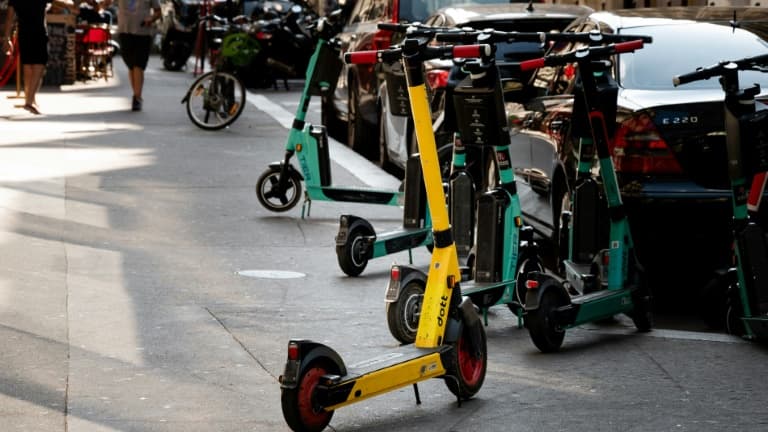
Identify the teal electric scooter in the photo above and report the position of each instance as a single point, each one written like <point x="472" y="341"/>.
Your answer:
<point x="279" y="187"/>
<point x="747" y="144"/>
<point x="605" y="280"/>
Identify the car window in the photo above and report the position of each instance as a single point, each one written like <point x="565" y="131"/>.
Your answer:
<point x="369" y="10"/>
<point x="681" y="49"/>
<point x="554" y="81"/>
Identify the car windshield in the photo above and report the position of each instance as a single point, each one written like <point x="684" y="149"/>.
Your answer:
<point x="681" y="49"/>
<point x="418" y="10"/>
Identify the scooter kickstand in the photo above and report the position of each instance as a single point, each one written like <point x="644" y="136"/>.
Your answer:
<point x="307" y="205"/>
<point x="416" y="392"/>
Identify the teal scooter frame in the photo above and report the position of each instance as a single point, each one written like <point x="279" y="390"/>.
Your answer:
<point x="611" y="281"/>
<point x="747" y="144"/>
<point x="279" y="188"/>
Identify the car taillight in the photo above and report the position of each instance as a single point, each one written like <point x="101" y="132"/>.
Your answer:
<point x="437" y="78"/>
<point x="639" y="149"/>
<point x="382" y="39"/>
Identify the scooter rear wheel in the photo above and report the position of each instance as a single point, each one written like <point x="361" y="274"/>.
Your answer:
<point x="351" y="255"/>
<point x="270" y="195"/>
<point x="465" y="368"/>
<point x="403" y="314"/>
<point x="301" y="409"/>
<point x="215" y="100"/>
<point x="545" y="333"/>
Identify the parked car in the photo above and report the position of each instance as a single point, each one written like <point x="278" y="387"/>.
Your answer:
<point x="664" y="137"/>
<point x="395" y="138"/>
<point x="351" y="113"/>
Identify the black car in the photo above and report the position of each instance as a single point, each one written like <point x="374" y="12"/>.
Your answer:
<point x="351" y="114"/>
<point x="664" y="138"/>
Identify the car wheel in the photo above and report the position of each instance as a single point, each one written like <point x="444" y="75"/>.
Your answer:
<point x="384" y="161"/>
<point x="359" y="137"/>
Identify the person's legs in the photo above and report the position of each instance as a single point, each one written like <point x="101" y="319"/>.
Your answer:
<point x="33" y="78"/>
<point x="137" y="81"/>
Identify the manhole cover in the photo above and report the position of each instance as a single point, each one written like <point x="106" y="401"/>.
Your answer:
<point x="271" y="274"/>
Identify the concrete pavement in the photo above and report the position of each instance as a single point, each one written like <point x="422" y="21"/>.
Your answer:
<point x="126" y="245"/>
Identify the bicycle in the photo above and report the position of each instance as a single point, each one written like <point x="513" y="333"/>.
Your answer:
<point x="217" y="98"/>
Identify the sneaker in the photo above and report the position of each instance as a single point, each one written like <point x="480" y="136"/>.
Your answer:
<point x="136" y="105"/>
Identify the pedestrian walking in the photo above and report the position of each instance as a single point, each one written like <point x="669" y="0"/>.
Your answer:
<point x="32" y="42"/>
<point x="134" y="28"/>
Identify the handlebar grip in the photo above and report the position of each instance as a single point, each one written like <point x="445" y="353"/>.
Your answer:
<point x="625" y="47"/>
<point x="532" y="64"/>
<point x="471" y="51"/>
<point x="457" y="37"/>
<point x="393" y="27"/>
<point x="361" y="57"/>
<point x="697" y="75"/>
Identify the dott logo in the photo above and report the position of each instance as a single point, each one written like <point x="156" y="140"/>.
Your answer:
<point x="441" y="314"/>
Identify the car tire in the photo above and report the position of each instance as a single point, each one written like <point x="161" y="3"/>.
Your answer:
<point x="359" y="134"/>
<point x="329" y="117"/>
<point x="384" y="161"/>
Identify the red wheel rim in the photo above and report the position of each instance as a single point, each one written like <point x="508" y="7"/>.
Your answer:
<point x="470" y="367"/>
<point x="311" y="414"/>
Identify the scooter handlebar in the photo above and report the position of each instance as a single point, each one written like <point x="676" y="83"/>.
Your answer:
<point x="393" y="54"/>
<point x="588" y="53"/>
<point x="495" y="36"/>
<point x="759" y="63"/>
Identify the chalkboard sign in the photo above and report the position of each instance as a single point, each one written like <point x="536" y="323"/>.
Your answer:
<point x="61" y="50"/>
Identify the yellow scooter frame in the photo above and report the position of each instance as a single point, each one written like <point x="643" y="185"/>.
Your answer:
<point x="450" y="341"/>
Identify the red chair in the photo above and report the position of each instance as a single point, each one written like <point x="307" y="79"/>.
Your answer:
<point x="95" y="52"/>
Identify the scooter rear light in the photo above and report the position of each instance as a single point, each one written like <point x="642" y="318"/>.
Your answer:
<point x="293" y="351"/>
<point x="531" y="284"/>
<point x="437" y="78"/>
<point x="394" y="273"/>
<point x="263" y="35"/>
<point x="638" y="148"/>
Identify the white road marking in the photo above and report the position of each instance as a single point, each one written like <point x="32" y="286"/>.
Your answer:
<point x="359" y="166"/>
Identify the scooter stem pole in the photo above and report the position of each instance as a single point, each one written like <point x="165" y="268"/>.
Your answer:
<point x="444" y="271"/>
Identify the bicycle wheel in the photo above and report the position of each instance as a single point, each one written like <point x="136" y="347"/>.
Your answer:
<point x="216" y="100"/>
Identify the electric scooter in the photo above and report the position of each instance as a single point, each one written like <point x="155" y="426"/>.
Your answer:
<point x="279" y="187"/>
<point x="507" y="251"/>
<point x="747" y="145"/>
<point x="450" y="341"/>
<point x="599" y="283"/>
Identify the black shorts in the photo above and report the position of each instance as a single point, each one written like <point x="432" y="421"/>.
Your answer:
<point x="135" y="50"/>
<point x="33" y="48"/>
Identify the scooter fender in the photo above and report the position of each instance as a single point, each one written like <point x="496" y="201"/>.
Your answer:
<point x="471" y="321"/>
<point x="291" y="169"/>
<point x="407" y="274"/>
<point x="346" y="222"/>
<point x="544" y="283"/>
<point x="308" y="351"/>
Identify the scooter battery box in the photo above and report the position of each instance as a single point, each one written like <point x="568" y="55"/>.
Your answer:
<point x="480" y="115"/>
<point x="589" y="221"/>
<point x="754" y="142"/>
<point x="397" y="90"/>
<point x="326" y="73"/>
<point x="319" y="134"/>
<point x="415" y="206"/>
<point x="491" y="208"/>
<point x="462" y="211"/>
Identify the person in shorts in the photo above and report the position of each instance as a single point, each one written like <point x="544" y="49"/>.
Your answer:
<point x="134" y="27"/>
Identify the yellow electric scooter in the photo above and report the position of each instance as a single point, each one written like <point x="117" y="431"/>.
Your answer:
<point x="450" y="341"/>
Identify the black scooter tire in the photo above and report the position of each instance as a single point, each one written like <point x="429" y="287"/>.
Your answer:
<point x="465" y="371"/>
<point x="350" y="259"/>
<point x="541" y="325"/>
<point x="403" y="314"/>
<point x="299" y="404"/>
<point x="276" y="200"/>
<point x="205" y="106"/>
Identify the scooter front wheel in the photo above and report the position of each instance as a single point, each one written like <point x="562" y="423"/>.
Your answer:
<point x="542" y="326"/>
<point x="301" y="409"/>
<point x="270" y="194"/>
<point x="352" y="255"/>
<point x="403" y="314"/>
<point x="215" y="100"/>
<point x="466" y="366"/>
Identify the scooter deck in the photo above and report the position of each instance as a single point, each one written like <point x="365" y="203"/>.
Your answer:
<point x="350" y="194"/>
<point x="598" y="305"/>
<point x="758" y="325"/>
<point x="473" y="287"/>
<point x="400" y="240"/>
<point x="401" y="367"/>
